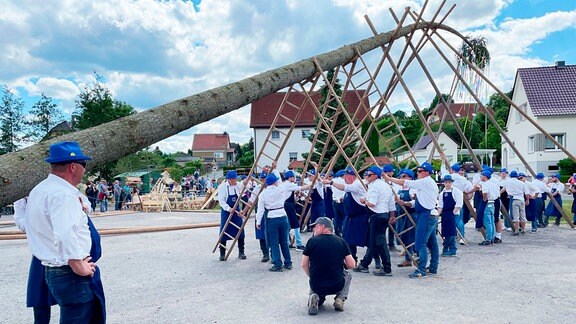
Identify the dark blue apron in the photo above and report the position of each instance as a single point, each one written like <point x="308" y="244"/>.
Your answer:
<point x="38" y="294"/>
<point x="480" y="205"/>
<point x="551" y="210"/>
<point x="531" y="210"/>
<point x="290" y="208"/>
<point x="231" y="230"/>
<point x="574" y="203"/>
<point x="404" y="222"/>
<point x="317" y="206"/>
<point x="355" y="229"/>
<point x="448" y="226"/>
<point x="328" y="202"/>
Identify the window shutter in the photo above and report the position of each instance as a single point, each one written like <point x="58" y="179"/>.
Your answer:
<point x="539" y="140"/>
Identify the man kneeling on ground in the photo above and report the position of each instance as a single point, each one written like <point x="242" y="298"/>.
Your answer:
<point x="323" y="260"/>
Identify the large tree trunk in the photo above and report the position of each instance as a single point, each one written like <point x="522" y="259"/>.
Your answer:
<point x="21" y="171"/>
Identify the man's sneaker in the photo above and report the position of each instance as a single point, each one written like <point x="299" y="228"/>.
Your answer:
<point x="533" y="230"/>
<point x="485" y="243"/>
<point x="313" y="304"/>
<point x="462" y="242"/>
<point x="497" y="240"/>
<point x="428" y="271"/>
<point x="508" y="229"/>
<point x="288" y="267"/>
<point x="361" y="268"/>
<point x="339" y="304"/>
<point x="381" y="273"/>
<point x="416" y="275"/>
<point x="300" y="248"/>
<point x="516" y="233"/>
<point x="265" y="258"/>
<point x="275" y="269"/>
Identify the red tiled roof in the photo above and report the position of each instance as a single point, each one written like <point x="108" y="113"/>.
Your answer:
<point x="460" y="110"/>
<point x="380" y="160"/>
<point x="210" y="142"/>
<point x="264" y="110"/>
<point x="296" y="164"/>
<point x="550" y="89"/>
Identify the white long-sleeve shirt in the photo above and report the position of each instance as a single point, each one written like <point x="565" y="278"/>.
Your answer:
<point x="380" y="194"/>
<point x="225" y="190"/>
<point x="20" y="213"/>
<point x="427" y="191"/>
<point x="56" y="226"/>
<point x="271" y="199"/>
<point x="456" y="194"/>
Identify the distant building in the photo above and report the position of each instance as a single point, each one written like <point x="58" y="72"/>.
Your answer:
<point x="213" y="150"/>
<point x="264" y="111"/>
<point x="460" y="110"/>
<point x="548" y="96"/>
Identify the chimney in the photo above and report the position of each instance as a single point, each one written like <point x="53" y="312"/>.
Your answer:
<point x="560" y="64"/>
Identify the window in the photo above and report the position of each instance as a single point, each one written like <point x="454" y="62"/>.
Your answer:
<point x="524" y="108"/>
<point x="293" y="156"/>
<point x="512" y="154"/>
<point x="305" y="133"/>
<point x="550" y="146"/>
<point x="531" y="144"/>
<point x="275" y="134"/>
<point x="218" y="155"/>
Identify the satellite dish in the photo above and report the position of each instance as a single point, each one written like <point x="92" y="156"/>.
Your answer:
<point x="214" y="168"/>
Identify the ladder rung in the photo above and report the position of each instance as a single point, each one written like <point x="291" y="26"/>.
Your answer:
<point x="286" y="118"/>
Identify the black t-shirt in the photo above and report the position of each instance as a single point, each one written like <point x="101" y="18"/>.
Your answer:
<point x="326" y="253"/>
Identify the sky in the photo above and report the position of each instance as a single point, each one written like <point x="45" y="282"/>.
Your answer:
<point x="151" y="52"/>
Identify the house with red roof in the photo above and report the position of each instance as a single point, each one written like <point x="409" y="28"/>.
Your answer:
<point x="213" y="149"/>
<point x="548" y="96"/>
<point x="460" y="110"/>
<point x="264" y="111"/>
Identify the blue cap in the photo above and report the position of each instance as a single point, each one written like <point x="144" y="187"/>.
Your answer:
<point x="487" y="174"/>
<point x="426" y="166"/>
<point x="271" y="179"/>
<point x="387" y="168"/>
<point x="455" y="167"/>
<point x="484" y="167"/>
<point x="521" y="174"/>
<point x="288" y="174"/>
<point x="490" y="169"/>
<point x="556" y="175"/>
<point x="263" y="175"/>
<point x="503" y="170"/>
<point x="540" y="175"/>
<point x="231" y="174"/>
<point x="376" y="170"/>
<point x="242" y="177"/>
<point x="513" y="174"/>
<point x="340" y="173"/>
<point x="448" y="178"/>
<point x="349" y="170"/>
<point x="406" y="171"/>
<point x="311" y="172"/>
<point x="62" y="152"/>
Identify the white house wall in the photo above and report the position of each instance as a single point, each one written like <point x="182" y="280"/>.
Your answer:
<point x="296" y="144"/>
<point x="519" y="132"/>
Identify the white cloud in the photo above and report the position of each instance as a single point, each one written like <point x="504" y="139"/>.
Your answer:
<point x="153" y="52"/>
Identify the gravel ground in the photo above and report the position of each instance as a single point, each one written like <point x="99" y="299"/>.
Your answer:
<point x="172" y="277"/>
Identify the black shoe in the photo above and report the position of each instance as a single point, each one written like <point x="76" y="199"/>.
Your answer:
<point x="487" y="243"/>
<point x="382" y="273"/>
<point x="265" y="258"/>
<point x="275" y="269"/>
<point x="241" y="256"/>
<point x="516" y="233"/>
<point x="222" y="258"/>
<point x="497" y="240"/>
<point x="361" y="268"/>
<point x="288" y="267"/>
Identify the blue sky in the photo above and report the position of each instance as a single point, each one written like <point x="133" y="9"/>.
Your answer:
<point x="153" y="52"/>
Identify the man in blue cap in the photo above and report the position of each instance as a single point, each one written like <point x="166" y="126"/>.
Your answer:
<point x="228" y="193"/>
<point x="403" y="224"/>
<point x="517" y="193"/>
<point x="490" y="193"/>
<point x="289" y="187"/>
<point x="389" y="170"/>
<point x="271" y="200"/>
<point x="556" y="189"/>
<point x="426" y="223"/>
<point x="316" y="196"/>
<point x="337" y="202"/>
<point x="544" y="191"/>
<point x="259" y="232"/>
<point x="59" y="236"/>
<point x="450" y="201"/>
<point x="465" y="186"/>
<point x="379" y="201"/>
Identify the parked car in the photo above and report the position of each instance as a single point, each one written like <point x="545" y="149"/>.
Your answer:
<point x="469" y="166"/>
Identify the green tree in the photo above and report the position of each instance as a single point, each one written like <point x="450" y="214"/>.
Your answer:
<point x="94" y="106"/>
<point x="436" y="100"/>
<point x="247" y="158"/>
<point x="372" y="141"/>
<point x="341" y="123"/>
<point x="12" y="124"/>
<point x="45" y="115"/>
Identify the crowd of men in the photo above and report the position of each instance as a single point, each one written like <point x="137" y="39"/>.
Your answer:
<point x="367" y="211"/>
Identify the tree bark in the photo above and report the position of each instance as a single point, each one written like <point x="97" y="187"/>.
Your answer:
<point x="20" y="171"/>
